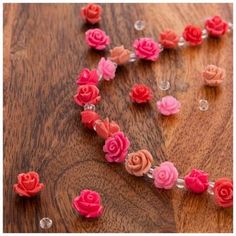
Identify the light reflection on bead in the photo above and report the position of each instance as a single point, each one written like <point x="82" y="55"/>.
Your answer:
<point x="132" y="57"/>
<point x="95" y="123"/>
<point x="45" y="223"/>
<point x="164" y="85"/>
<point x="180" y="183"/>
<point x="204" y="34"/>
<point x="139" y="25"/>
<point x="181" y="42"/>
<point x="230" y="27"/>
<point x="203" y="105"/>
<point x="149" y="173"/>
<point x="90" y="107"/>
<point x="161" y="47"/>
<point x="210" y="188"/>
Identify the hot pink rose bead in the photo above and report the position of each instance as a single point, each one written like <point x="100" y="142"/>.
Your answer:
<point x="116" y="147"/>
<point x="165" y="175"/>
<point x="97" y="39"/>
<point x="87" y="77"/>
<point x="88" y="204"/>
<point x="146" y="48"/>
<point x="168" y="105"/>
<point x="196" y="181"/>
<point x="107" y="69"/>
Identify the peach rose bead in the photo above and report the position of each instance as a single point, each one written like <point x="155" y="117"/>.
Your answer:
<point x="119" y="55"/>
<point x="213" y="75"/>
<point x="138" y="163"/>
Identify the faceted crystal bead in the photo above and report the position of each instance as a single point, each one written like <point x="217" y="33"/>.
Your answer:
<point x="180" y="183"/>
<point x="164" y="85"/>
<point x="230" y="27"/>
<point x="210" y="188"/>
<point x="203" y="105"/>
<point x="204" y="34"/>
<point x="45" y="223"/>
<point x="139" y="25"/>
<point x="90" y="107"/>
<point x="132" y="57"/>
<point x="149" y="173"/>
<point x="181" y="42"/>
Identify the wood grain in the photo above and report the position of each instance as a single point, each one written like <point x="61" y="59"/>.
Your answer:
<point x="44" y="49"/>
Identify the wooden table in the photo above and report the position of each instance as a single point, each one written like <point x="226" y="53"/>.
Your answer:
<point x="44" y="48"/>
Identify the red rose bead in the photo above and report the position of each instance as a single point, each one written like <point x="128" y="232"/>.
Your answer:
<point x="196" y="181"/>
<point x="28" y="184"/>
<point x="215" y="26"/>
<point x="88" y="118"/>
<point x="193" y="35"/>
<point x="87" y="77"/>
<point x="140" y="93"/>
<point x="223" y="192"/>
<point x="168" y="39"/>
<point x="87" y="94"/>
<point x="91" y="13"/>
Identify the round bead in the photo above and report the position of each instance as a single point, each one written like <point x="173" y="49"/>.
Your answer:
<point x="164" y="85"/>
<point x="203" y="105"/>
<point x="139" y="25"/>
<point x="45" y="223"/>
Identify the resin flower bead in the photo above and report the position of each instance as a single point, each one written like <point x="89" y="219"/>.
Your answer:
<point x="138" y="163"/>
<point x="96" y="38"/>
<point x="215" y="26"/>
<point x="168" y="105"/>
<point x="88" y="118"/>
<point x="88" y="204"/>
<point x="165" y="175"/>
<point x="120" y="55"/>
<point x="168" y="39"/>
<point x="107" y="69"/>
<point x="28" y="184"/>
<point x="87" y="94"/>
<point x="223" y="192"/>
<point x="91" y="13"/>
<point x="140" y="93"/>
<point x="146" y="48"/>
<point x="196" y="181"/>
<point x="87" y="77"/>
<point x="213" y="75"/>
<point x="105" y="128"/>
<point x="116" y="147"/>
<point x="193" y="35"/>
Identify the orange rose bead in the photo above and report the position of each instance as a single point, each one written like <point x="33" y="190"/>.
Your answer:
<point x="120" y="55"/>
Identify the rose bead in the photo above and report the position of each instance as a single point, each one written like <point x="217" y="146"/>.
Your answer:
<point x="213" y="75"/>
<point x="140" y="93"/>
<point x="28" y="184"/>
<point x="196" y="181"/>
<point x="223" y="192"/>
<point x="105" y="128"/>
<point x="87" y="94"/>
<point x="120" y="55"/>
<point x="91" y="13"/>
<point x="138" y="163"/>
<point x="88" y="204"/>
<point x="116" y="147"/>
<point x="87" y="77"/>
<point x="168" y="39"/>
<point x="97" y="39"/>
<point x="168" y="105"/>
<point x="107" y="69"/>
<point x="146" y="48"/>
<point x="88" y="118"/>
<point x="193" y="35"/>
<point x="215" y="26"/>
<point x="165" y="175"/>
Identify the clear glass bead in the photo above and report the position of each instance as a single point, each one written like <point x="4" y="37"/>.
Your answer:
<point x="181" y="42"/>
<point x="161" y="47"/>
<point x="139" y="25"/>
<point x="180" y="183"/>
<point x="149" y="173"/>
<point x="132" y="57"/>
<point x="230" y="27"/>
<point x="210" y="188"/>
<point x="203" y="105"/>
<point x="204" y="34"/>
<point x="163" y="85"/>
<point x="90" y="107"/>
<point x="99" y="75"/>
<point x="45" y="223"/>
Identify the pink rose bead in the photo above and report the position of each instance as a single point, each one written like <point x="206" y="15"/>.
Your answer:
<point x="97" y="39"/>
<point x="146" y="48"/>
<point x="87" y="77"/>
<point x="88" y="204"/>
<point x="168" y="105"/>
<point x="107" y="69"/>
<point x="165" y="175"/>
<point x="116" y="147"/>
<point x="196" y="181"/>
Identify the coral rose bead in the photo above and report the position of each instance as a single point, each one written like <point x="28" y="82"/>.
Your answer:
<point x="28" y="184"/>
<point x="88" y="118"/>
<point x="223" y="192"/>
<point x="168" y="105"/>
<point x="91" y="13"/>
<point x="168" y="39"/>
<point x="193" y="35"/>
<point x="120" y="55"/>
<point x="140" y="93"/>
<point x="138" y="163"/>
<point x="88" y="204"/>
<point x="215" y="26"/>
<point x="87" y="77"/>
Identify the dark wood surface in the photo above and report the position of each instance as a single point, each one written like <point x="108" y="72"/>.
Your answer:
<point x="44" y="48"/>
